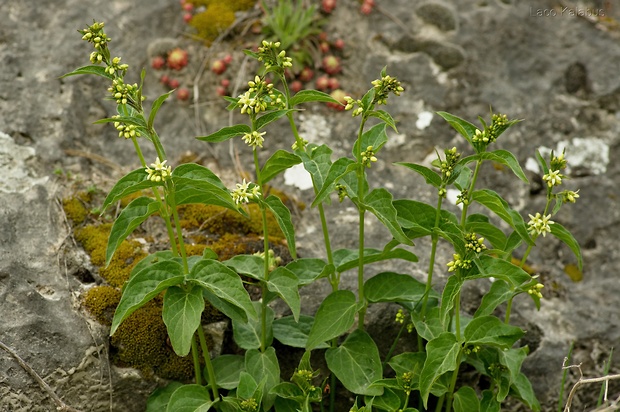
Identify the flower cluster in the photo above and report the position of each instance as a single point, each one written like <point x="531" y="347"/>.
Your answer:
<point x="499" y="123"/>
<point x="384" y="86"/>
<point x="458" y="263"/>
<point x="301" y="144"/>
<point x="407" y="382"/>
<point x="539" y="225"/>
<point x="368" y="156"/>
<point x="273" y="260"/>
<point x="447" y="166"/>
<point x="270" y="54"/>
<point x="116" y="66"/>
<point x="350" y="103"/>
<point x="471" y="349"/>
<point x="569" y="196"/>
<point x="463" y="197"/>
<point x="158" y="172"/>
<point x="245" y="191"/>
<point x="259" y="97"/>
<point x="254" y="139"/>
<point x="127" y="131"/>
<point x="249" y="405"/>
<point x="473" y="243"/>
<point x="94" y="34"/>
<point x="123" y="93"/>
<point x="553" y="178"/>
<point x="535" y="290"/>
<point x="342" y="192"/>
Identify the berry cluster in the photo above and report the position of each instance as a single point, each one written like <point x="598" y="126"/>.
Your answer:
<point x="174" y="60"/>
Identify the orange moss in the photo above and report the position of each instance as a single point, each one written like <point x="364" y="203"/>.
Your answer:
<point x="101" y="302"/>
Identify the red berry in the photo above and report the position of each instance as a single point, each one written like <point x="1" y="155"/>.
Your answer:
<point x="183" y="93"/>
<point x="322" y="83"/>
<point x="225" y="83"/>
<point x="177" y="58"/>
<point x="227" y="59"/>
<point x="306" y="74"/>
<point x="173" y="83"/>
<point x="334" y="83"/>
<point x="328" y="5"/>
<point x="339" y="95"/>
<point x="339" y="44"/>
<point x="296" y="86"/>
<point x="187" y="17"/>
<point x="188" y="6"/>
<point x="323" y="36"/>
<point x="324" y="47"/>
<point x="218" y="67"/>
<point x="164" y="79"/>
<point x="331" y="64"/>
<point x="221" y="91"/>
<point x="158" y="62"/>
<point x="366" y="9"/>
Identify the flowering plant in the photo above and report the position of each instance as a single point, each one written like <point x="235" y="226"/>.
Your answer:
<point x="445" y="336"/>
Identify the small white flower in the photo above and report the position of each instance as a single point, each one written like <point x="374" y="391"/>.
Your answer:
<point x="553" y="178"/>
<point x="540" y="225"/>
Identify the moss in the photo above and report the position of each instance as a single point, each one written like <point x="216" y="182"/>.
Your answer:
<point x="75" y="209"/>
<point x="214" y="20"/>
<point x="125" y="258"/>
<point x="101" y="302"/>
<point x="94" y="240"/>
<point x="195" y="249"/>
<point x="234" y="5"/>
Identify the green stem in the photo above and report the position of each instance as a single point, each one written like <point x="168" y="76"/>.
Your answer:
<point x="196" y="359"/>
<point x="431" y="264"/>
<point x="389" y="354"/>
<point x="470" y="190"/>
<point x="208" y="364"/>
<point x="177" y="224"/>
<point x="362" y="212"/>
<point x="455" y="375"/>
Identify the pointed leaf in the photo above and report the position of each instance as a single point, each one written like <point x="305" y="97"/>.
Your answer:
<point x="194" y="172"/>
<point x="269" y="117"/>
<point x="356" y="363"/>
<point x="294" y="333"/>
<point x="393" y="287"/>
<point x="389" y="401"/>
<point x="508" y="159"/>
<point x="431" y="177"/>
<point x="283" y="217"/>
<point x="490" y="266"/>
<point x="466" y="400"/>
<point x="155" y="108"/>
<point x="278" y="163"/>
<point x="441" y="357"/>
<point x="189" y="191"/>
<point x="499" y="293"/>
<point x="346" y="259"/>
<point x="317" y="161"/>
<point x="385" y="116"/>
<point x="522" y="389"/>
<point x="334" y="317"/>
<point x="264" y="366"/>
<point x="190" y="398"/>
<point x="129" y="219"/>
<point x="307" y="270"/>
<point x="181" y="313"/>
<point x="144" y="286"/>
<point x="464" y="128"/>
<point x="248" y="335"/>
<point x="227" y="369"/>
<point x="158" y="400"/>
<point x="132" y="182"/>
<point x="450" y="292"/>
<point x="379" y="203"/>
<point x="133" y="120"/>
<point x="97" y="70"/>
<point x="305" y="96"/>
<point x="226" y="133"/>
<point x="284" y="283"/>
<point x="565" y="236"/>
<point x="222" y="282"/>
<point x="488" y="330"/>
<point x="337" y="170"/>
<point x="247" y="265"/>
<point x="375" y="137"/>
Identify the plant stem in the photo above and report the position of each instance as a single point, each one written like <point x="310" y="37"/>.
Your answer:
<point x="362" y="212"/>
<point x="431" y="264"/>
<point x="263" y="341"/>
<point x="389" y="354"/>
<point x="455" y="375"/>
<point x="196" y="359"/>
<point x="208" y="364"/>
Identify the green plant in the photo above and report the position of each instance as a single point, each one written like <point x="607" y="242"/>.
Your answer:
<point x="446" y="337"/>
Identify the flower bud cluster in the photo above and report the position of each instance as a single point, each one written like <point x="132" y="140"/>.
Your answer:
<point x="94" y="34"/>
<point x="384" y="86"/>
<point x="254" y="139"/>
<point x="158" y="172"/>
<point x="259" y="97"/>
<point x="273" y="260"/>
<point x="471" y="349"/>
<point x="473" y="243"/>
<point x="463" y="197"/>
<point x="270" y="54"/>
<point x="245" y="192"/>
<point x="499" y="123"/>
<point x="302" y="142"/>
<point x="116" y="66"/>
<point x="249" y="405"/>
<point x="400" y="316"/>
<point x="458" y="263"/>
<point x="407" y="382"/>
<point x="539" y="225"/>
<point x="126" y="130"/>
<point x="351" y="103"/>
<point x="368" y="156"/>
<point x="342" y="192"/>
<point x="535" y="290"/>
<point x="123" y="93"/>
<point x="569" y="196"/>
<point x="447" y="166"/>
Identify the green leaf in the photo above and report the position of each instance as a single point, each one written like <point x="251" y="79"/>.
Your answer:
<point x="431" y="326"/>
<point x="189" y="191"/>
<point x="393" y="287"/>
<point x="450" y="292"/>
<point x="542" y="163"/>
<point x="181" y="313"/>
<point x="512" y="359"/>
<point x="490" y="232"/>
<point x="334" y="317"/>
<point x="152" y="259"/>
<point x="356" y="363"/>
<point x="158" y="400"/>
<point x="490" y="266"/>
<point x="489" y="403"/>
<point x="346" y="259"/>
<point x="565" y="236"/>
<point x="232" y="311"/>
<point x="226" y="133"/>
<point x="133" y="120"/>
<point x="155" y="108"/>
<point x="379" y="203"/>
<point x="497" y="205"/>
<point x="264" y="366"/>
<point x="96" y="70"/>
<point x="508" y="159"/>
<point x="499" y="293"/>
<point x="389" y="401"/>
<point x="294" y="333"/>
<point x="466" y="400"/>
<point x="441" y="357"/>
<point x="284" y="283"/>
<point x="305" y="96"/>
<point x="317" y="161"/>
<point x="277" y="163"/>
<point x="190" y="398"/>
<point x="408" y="362"/>
<point x="132" y="182"/>
<point x="337" y="171"/>
<point x="464" y="128"/>
<point x="269" y="117"/>
<point x="385" y="116"/>
<point x="247" y="265"/>
<point x="288" y="390"/>
<point x="283" y="217"/>
<point x="192" y="172"/>
<point x="431" y="177"/>
<point x="223" y="283"/>
<point x="127" y="221"/>
<point x="308" y="270"/>
<point x="488" y="330"/>
<point x="375" y="137"/>
<point x="248" y="335"/>
<point x="248" y="387"/>
<point x="522" y="389"/>
<point x="227" y="369"/>
<point x="144" y="286"/>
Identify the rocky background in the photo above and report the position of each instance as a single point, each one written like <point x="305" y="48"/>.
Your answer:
<point x="555" y="68"/>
